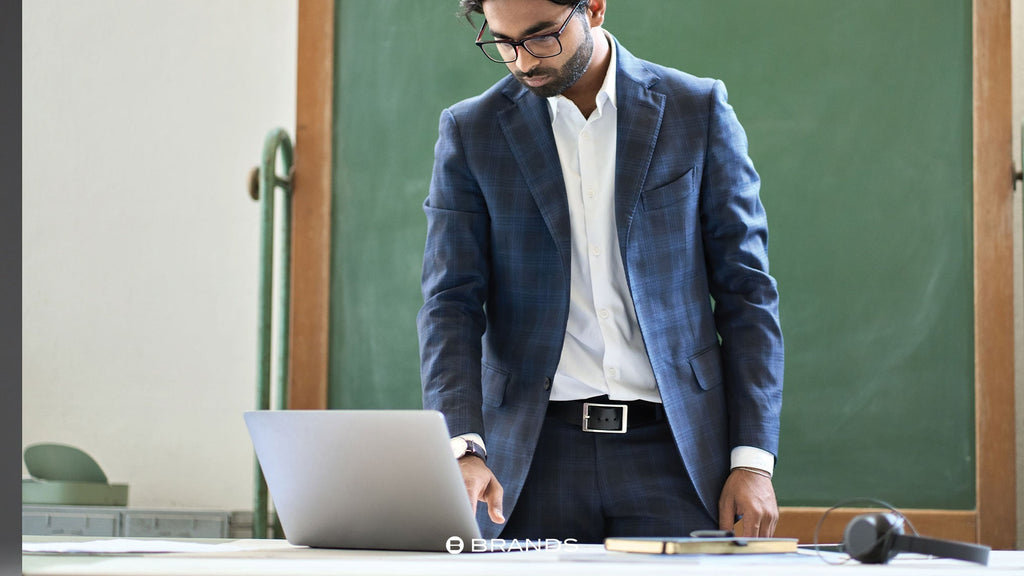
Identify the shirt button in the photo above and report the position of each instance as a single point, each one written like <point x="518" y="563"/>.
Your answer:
<point x="613" y="373"/>
<point x="603" y="313"/>
<point x="595" y="250"/>
<point x="590" y="192"/>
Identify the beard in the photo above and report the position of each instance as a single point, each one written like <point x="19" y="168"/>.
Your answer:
<point x="563" y="78"/>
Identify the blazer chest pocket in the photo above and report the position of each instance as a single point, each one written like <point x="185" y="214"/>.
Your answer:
<point x="669" y="194"/>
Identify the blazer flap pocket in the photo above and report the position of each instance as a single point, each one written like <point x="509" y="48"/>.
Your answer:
<point x="707" y="367"/>
<point x="669" y="194"/>
<point x="494" y="382"/>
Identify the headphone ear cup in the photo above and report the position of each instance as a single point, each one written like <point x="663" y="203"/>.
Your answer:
<point x="868" y="538"/>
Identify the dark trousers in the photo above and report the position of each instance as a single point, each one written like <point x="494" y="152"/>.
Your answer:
<point x="589" y="486"/>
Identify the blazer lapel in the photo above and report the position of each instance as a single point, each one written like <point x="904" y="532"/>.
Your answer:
<point x="527" y="128"/>
<point x="640" y="111"/>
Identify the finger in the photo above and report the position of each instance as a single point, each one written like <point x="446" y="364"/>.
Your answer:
<point x="772" y="526"/>
<point x="475" y="486"/>
<point x="493" y="495"/>
<point x="762" y="523"/>
<point x="726" y="515"/>
<point x="495" y="513"/>
<point x="766" y="526"/>
<point x="753" y="529"/>
<point x="747" y="528"/>
<point x="472" y="493"/>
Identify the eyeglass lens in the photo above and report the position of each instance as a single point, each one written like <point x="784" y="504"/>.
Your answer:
<point x="541" y="47"/>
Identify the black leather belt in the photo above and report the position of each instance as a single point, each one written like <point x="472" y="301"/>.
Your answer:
<point x="606" y="416"/>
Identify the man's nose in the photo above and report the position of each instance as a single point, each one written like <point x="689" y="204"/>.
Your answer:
<point x="525" y="61"/>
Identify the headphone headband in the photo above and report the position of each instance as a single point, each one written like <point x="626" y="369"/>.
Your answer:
<point x="943" y="548"/>
<point x="877" y="538"/>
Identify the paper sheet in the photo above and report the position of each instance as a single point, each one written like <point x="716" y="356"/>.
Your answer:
<point x="127" y="546"/>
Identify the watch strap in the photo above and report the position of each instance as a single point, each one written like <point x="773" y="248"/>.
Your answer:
<point x="474" y="449"/>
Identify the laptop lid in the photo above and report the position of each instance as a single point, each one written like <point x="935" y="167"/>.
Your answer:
<point x="367" y="479"/>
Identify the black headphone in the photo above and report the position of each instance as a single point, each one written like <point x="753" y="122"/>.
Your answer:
<point x="877" y="538"/>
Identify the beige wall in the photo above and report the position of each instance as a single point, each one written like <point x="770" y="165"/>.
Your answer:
<point x="140" y="123"/>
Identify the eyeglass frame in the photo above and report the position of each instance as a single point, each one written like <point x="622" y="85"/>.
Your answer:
<point x="522" y="43"/>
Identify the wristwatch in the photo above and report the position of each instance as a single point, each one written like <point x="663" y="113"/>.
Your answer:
<point x="462" y="447"/>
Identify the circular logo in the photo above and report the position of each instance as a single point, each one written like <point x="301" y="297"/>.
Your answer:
<point x="454" y="545"/>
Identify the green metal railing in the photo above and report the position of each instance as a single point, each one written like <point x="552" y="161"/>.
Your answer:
<point x="262" y="184"/>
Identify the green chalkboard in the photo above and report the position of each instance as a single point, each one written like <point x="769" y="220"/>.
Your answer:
<point x="859" y="120"/>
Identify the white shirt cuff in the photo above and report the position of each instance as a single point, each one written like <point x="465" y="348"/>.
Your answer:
<point x="750" y="457"/>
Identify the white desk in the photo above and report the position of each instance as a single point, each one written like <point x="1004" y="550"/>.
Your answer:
<point x="276" y="557"/>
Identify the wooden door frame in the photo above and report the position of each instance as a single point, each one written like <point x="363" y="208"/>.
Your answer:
<point x="993" y="522"/>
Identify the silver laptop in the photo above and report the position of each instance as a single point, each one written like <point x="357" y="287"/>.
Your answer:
<point x="369" y="479"/>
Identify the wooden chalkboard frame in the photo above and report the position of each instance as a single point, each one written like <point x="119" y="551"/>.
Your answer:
<point x="993" y="522"/>
<point x="311" y="208"/>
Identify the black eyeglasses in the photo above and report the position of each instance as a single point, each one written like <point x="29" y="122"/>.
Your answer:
<point x="546" y="46"/>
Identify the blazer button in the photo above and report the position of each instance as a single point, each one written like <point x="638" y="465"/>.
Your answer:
<point x="547" y="383"/>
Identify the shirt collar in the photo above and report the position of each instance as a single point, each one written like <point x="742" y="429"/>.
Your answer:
<point x="607" y="91"/>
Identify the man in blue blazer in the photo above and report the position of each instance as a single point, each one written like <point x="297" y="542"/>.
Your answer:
<point x="599" y="326"/>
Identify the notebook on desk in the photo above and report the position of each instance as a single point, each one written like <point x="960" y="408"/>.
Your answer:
<point x="363" y="479"/>
<point x="724" y="545"/>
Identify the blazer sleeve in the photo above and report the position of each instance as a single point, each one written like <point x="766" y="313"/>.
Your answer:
<point x="735" y="234"/>
<point x="454" y="284"/>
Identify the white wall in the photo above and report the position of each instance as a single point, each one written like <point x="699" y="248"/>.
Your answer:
<point x="141" y="121"/>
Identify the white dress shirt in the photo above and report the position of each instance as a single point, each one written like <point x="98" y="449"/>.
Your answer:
<point x="603" y="352"/>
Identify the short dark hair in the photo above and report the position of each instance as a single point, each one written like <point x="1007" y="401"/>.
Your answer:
<point x="469" y="7"/>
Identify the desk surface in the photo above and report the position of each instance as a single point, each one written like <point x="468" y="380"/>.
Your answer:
<point x="276" y="557"/>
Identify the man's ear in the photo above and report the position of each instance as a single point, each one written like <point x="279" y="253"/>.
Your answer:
<point x="595" y="13"/>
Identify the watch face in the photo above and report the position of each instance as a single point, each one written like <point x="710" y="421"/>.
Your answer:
<point x="459" y="447"/>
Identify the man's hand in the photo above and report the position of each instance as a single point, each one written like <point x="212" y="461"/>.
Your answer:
<point x="751" y="496"/>
<point x="482" y="486"/>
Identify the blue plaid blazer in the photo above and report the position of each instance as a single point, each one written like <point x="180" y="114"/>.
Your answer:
<point x="691" y="227"/>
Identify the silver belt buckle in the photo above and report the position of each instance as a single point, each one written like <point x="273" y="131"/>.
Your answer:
<point x="586" y="417"/>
